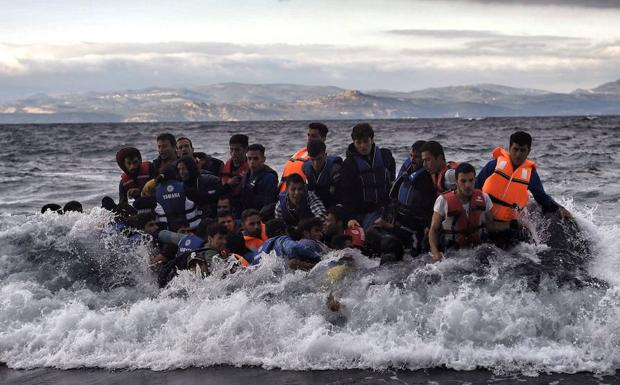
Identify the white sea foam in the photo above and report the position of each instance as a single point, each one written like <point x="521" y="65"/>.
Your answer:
<point x="418" y="316"/>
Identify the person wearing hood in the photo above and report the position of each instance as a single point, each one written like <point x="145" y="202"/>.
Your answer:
<point x="202" y="187"/>
<point x="366" y="176"/>
<point x="136" y="173"/>
<point x="175" y="211"/>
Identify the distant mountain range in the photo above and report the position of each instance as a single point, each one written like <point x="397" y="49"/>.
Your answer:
<point x="236" y="101"/>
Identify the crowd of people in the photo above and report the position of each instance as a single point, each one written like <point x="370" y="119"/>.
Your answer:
<point x="200" y="210"/>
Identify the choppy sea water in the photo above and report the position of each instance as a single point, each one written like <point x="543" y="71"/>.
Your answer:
<point x="74" y="294"/>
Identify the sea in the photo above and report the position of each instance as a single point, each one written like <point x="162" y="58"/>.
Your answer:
<point x="79" y="303"/>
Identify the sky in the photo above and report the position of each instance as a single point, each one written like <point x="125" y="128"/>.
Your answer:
<point x="57" y="46"/>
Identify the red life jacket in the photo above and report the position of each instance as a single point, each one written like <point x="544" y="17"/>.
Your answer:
<point x="227" y="173"/>
<point x="466" y="229"/>
<point x="439" y="178"/>
<point x="144" y="175"/>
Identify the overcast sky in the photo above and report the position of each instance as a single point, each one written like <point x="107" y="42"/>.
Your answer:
<point x="57" y="46"/>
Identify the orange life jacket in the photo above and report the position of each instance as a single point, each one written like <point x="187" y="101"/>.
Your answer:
<point x="294" y="166"/>
<point x="253" y="243"/>
<point x="144" y="175"/>
<point x="227" y="172"/>
<point x="507" y="187"/>
<point x="466" y="229"/>
<point x="242" y="261"/>
<point x="438" y="178"/>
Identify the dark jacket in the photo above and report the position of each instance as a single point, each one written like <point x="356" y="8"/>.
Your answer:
<point x="351" y="181"/>
<point x="259" y="189"/>
<point x="326" y="182"/>
<point x="202" y="187"/>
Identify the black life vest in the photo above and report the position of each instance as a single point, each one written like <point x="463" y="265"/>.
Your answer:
<point x="322" y="184"/>
<point x="374" y="177"/>
<point x="292" y="217"/>
<point x="249" y="183"/>
<point x="406" y="188"/>
<point x="466" y="229"/>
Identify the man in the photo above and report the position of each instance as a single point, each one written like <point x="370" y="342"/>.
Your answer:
<point x="201" y="261"/>
<point x="259" y="185"/>
<point x="435" y="163"/>
<point x="334" y="224"/>
<point x="135" y="174"/>
<point x="299" y="255"/>
<point x="298" y="203"/>
<point x="460" y="215"/>
<point x="226" y="219"/>
<point x="507" y="179"/>
<point x="234" y="170"/>
<point x="366" y="176"/>
<point x="185" y="147"/>
<point x="166" y="148"/>
<point x="322" y="172"/>
<point x="252" y="229"/>
<point x="413" y="194"/>
<point x="316" y="131"/>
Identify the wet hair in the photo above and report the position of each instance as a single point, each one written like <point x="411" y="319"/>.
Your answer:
<point x="216" y="228"/>
<point x="308" y="224"/>
<point x="275" y="227"/>
<point x="127" y="152"/>
<point x="235" y="243"/>
<point x="241" y="139"/>
<point x="435" y="148"/>
<point x="72" y="206"/>
<point x="168" y="137"/>
<point x="186" y="138"/>
<point x="339" y="241"/>
<point x="392" y="250"/>
<point x="108" y="203"/>
<point x="138" y="221"/>
<point x="268" y="212"/>
<point x="256" y="147"/>
<point x="323" y="130"/>
<point x="294" y="178"/>
<point x="338" y="212"/>
<point x="521" y="138"/>
<point x="51" y="207"/>
<point x="464" y="168"/>
<point x="362" y="131"/>
<point x="417" y="146"/>
<point x="316" y="147"/>
<point x="199" y="155"/>
<point x="192" y="168"/>
<point x="249" y="213"/>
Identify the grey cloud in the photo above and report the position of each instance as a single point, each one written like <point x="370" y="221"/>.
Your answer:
<point x="106" y="67"/>
<point x="475" y="34"/>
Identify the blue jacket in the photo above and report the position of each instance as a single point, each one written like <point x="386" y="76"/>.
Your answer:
<point x="285" y="246"/>
<point x="535" y="186"/>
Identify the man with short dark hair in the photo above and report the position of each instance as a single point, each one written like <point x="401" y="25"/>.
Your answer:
<point x="136" y="173"/>
<point x="226" y="219"/>
<point x="507" y="179"/>
<point x="234" y="170"/>
<point x="185" y="147"/>
<point x="460" y="215"/>
<point x="366" y="176"/>
<point x="259" y="185"/>
<point x="298" y="203"/>
<point x="316" y="131"/>
<point x="166" y="148"/>
<point x="252" y="229"/>
<point x="435" y="163"/>
<point x="322" y="172"/>
<point x="413" y="194"/>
